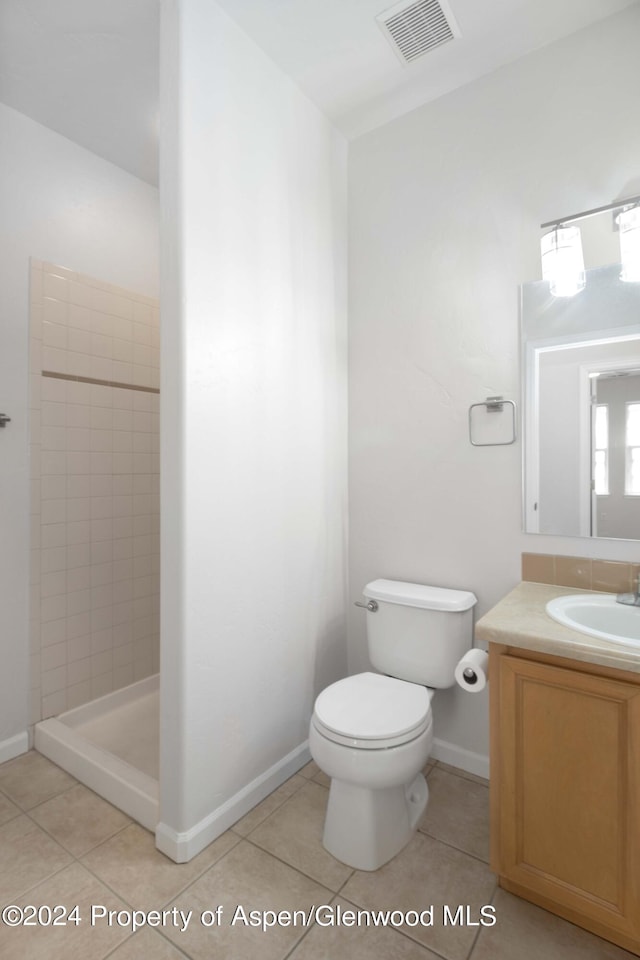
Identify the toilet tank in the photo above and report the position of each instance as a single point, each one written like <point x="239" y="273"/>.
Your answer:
<point x="418" y="633"/>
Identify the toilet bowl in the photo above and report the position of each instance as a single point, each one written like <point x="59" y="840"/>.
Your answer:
<point x="372" y="735"/>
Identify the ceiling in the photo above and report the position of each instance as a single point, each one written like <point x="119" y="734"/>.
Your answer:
<point x="88" y="69"/>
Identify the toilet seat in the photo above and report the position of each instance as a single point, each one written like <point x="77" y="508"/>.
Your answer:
<point x="373" y="712"/>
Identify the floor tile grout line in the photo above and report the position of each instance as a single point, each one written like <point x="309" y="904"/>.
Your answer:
<point x="299" y="941"/>
<point x="165" y="903"/>
<point x="78" y="856"/>
<point x="429" y="950"/>
<point x="41" y="802"/>
<point x="108" y="886"/>
<point x="304" y="766"/>
<point x="307" y="876"/>
<point x="308" y="780"/>
<point x="181" y="951"/>
<point x="28" y="813"/>
<point x="339" y="892"/>
<point x="61" y="794"/>
<point x="452" y="846"/>
<point x="14" y="816"/>
<point x="462" y="775"/>
<point x="275" y="809"/>
<point x="74" y="859"/>
<point x="4" y="794"/>
<point x="299" y="870"/>
<point x="303" y="936"/>
<point x="313" y="925"/>
<point x="128" y="939"/>
<point x="50" y="876"/>
<point x="394" y="930"/>
<point x="404" y="934"/>
<point x="480" y="929"/>
<point x="174" y="897"/>
<point x="200" y="875"/>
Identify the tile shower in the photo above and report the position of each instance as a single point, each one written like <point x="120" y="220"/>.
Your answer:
<point x="94" y="378"/>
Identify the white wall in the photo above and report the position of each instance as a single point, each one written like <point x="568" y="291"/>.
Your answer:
<point x="445" y="206"/>
<point x="253" y="450"/>
<point x="64" y="205"/>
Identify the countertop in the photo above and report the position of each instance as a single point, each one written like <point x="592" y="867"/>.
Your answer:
<point x="520" y="620"/>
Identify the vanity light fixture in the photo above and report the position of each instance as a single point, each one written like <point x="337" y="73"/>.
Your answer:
<point x="562" y="261"/>
<point x="561" y="248"/>
<point x="629" y="225"/>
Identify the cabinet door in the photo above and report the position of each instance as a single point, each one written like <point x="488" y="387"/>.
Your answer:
<point x="569" y="790"/>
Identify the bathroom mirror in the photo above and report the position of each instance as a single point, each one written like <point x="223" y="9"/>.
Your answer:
<point x="581" y="408"/>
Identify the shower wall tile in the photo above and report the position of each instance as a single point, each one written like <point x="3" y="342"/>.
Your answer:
<point x="52" y="704"/>
<point x="78" y="693"/>
<point x="95" y="488"/>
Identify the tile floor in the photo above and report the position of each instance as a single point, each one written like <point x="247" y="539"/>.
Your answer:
<point x="61" y="844"/>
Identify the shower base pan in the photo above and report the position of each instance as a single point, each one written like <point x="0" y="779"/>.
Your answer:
<point x="112" y="746"/>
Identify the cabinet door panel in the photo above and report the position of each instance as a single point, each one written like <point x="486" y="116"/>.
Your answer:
<point x="569" y="762"/>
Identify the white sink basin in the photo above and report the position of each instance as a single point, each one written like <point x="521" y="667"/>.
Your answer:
<point x="598" y="615"/>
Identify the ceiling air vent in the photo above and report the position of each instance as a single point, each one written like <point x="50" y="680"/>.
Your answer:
<point x="415" y="27"/>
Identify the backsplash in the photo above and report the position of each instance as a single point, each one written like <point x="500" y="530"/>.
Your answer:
<point x="609" y="576"/>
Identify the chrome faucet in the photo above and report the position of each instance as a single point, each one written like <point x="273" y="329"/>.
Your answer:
<point x="631" y="599"/>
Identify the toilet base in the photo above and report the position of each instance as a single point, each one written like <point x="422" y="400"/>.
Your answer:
<point x="365" y="828"/>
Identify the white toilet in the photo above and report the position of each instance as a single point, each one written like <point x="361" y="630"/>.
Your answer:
<point x="372" y="733"/>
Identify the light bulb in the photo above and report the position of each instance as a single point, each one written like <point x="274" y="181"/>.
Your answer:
<point x="562" y="261"/>
<point x="629" y="224"/>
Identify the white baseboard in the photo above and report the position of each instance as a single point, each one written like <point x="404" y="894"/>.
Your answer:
<point x="477" y="763"/>
<point x="14" y="746"/>
<point x="183" y="846"/>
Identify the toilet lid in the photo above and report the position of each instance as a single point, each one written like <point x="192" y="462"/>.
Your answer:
<point x="369" y="707"/>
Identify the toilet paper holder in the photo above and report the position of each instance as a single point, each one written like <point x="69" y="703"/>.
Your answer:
<point x="471" y="671"/>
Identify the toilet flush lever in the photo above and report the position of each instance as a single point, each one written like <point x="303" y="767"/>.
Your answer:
<point x="371" y="606"/>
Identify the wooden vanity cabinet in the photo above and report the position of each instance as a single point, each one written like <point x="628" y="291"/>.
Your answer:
<point x="565" y="789"/>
